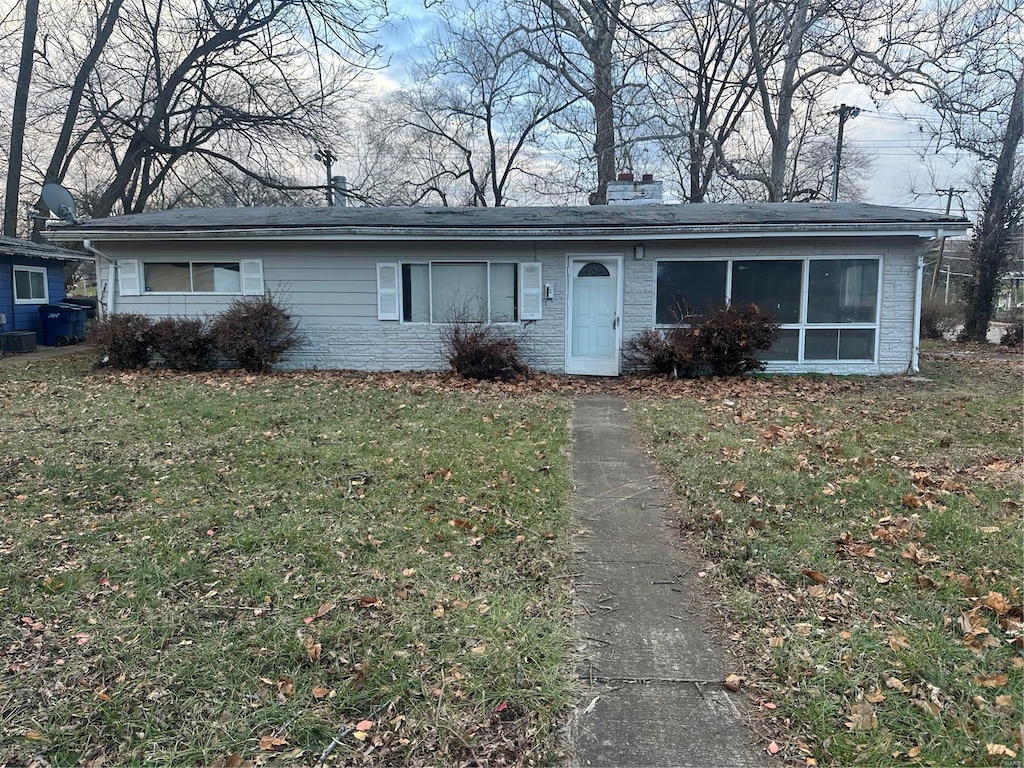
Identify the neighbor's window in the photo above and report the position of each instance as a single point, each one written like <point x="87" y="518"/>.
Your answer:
<point x="835" y="319"/>
<point x="442" y="292"/>
<point x="193" y="277"/>
<point x="30" y="285"/>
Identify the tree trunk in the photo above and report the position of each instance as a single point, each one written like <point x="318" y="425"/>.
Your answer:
<point x="18" y="119"/>
<point x="991" y="241"/>
<point x="604" y="137"/>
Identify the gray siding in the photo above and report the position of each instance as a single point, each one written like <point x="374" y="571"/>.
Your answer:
<point x="331" y="289"/>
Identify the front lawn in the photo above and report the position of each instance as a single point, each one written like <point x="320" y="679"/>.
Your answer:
<point x="865" y="538"/>
<point x="219" y="569"/>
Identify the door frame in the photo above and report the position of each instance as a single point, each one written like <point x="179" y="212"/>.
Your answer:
<point x="583" y="368"/>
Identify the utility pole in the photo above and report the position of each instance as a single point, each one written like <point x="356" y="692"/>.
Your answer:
<point x="327" y="157"/>
<point x="845" y="113"/>
<point x="942" y="244"/>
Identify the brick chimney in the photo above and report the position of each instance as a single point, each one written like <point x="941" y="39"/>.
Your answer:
<point x="626" y="191"/>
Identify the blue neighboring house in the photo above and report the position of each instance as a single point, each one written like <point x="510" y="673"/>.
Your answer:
<point x="31" y="274"/>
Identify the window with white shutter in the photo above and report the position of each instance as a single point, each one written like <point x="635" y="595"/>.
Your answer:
<point x="388" y="296"/>
<point x="128" y="274"/>
<point x="531" y="291"/>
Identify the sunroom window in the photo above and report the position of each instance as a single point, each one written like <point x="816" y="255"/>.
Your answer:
<point x="827" y="308"/>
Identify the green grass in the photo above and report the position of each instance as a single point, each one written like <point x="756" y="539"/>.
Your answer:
<point x="785" y="482"/>
<point x="169" y="541"/>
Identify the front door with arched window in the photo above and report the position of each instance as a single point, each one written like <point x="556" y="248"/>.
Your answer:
<point x="593" y="330"/>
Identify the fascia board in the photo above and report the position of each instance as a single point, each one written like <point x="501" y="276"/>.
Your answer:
<point x="533" y="235"/>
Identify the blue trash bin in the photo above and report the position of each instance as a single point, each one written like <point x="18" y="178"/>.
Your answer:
<point x="78" y="314"/>
<point x="58" y="325"/>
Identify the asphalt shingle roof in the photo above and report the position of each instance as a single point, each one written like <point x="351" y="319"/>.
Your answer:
<point x="539" y="221"/>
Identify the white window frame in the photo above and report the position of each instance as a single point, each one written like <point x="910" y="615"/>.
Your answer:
<point x="36" y="270"/>
<point x="523" y="291"/>
<point x="249" y="271"/>
<point x="803" y="325"/>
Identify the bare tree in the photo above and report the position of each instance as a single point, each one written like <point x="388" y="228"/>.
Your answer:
<point x="19" y="117"/>
<point x="702" y="85"/>
<point x="582" y="43"/>
<point x="966" y="61"/>
<point x="480" y="93"/>
<point x="1000" y="221"/>
<point x="148" y="86"/>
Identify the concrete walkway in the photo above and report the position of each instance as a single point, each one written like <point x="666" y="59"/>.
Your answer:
<point x="652" y="670"/>
<point x="43" y="353"/>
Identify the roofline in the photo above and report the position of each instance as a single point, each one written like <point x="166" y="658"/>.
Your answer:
<point x="701" y="232"/>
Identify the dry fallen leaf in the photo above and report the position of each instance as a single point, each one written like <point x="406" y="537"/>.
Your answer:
<point x="817" y="576"/>
<point x="733" y="683"/>
<point x="1000" y="749"/>
<point x="272" y="743"/>
<point x="896" y="684"/>
<point x="991" y="681"/>
<point x="322" y="611"/>
<point x="862" y="717"/>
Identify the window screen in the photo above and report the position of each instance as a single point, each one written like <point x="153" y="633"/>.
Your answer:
<point x="687" y="289"/>
<point x="771" y="285"/>
<point x="842" y="291"/>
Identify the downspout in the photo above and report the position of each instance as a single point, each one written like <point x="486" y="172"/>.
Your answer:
<point x="915" y="355"/>
<point x="104" y="308"/>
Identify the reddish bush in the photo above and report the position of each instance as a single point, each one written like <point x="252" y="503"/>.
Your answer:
<point x="482" y="351"/>
<point x="730" y="337"/>
<point x="255" y="332"/>
<point x="124" y="342"/>
<point x="725" y="343"/>
<point x="183" y="343"/>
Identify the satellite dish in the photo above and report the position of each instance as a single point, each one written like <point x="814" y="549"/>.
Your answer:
<point x="59" y="201"/>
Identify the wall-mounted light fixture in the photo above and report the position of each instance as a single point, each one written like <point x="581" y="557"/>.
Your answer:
<point x="549" y="291"/>
<point x="638" y="252"/>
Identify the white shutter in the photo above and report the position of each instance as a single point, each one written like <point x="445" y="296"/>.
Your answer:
<point x="129" y="277"/>
<point x="388" y="295"/>
<point x="252" y="276"/>
<point x="531" y="291"/>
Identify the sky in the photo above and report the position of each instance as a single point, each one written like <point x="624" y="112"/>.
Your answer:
<point x="906" y="172"/>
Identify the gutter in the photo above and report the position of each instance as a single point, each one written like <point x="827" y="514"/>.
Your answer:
<point x="915" y="350"/>
<point x="105" y="308"/>
<point x="903" y="229"/>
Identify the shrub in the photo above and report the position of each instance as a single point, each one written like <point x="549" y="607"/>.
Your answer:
<point x="730" y="337"/>
<point x="482" y="351"/>
<point x="183" y="343"/>
<point x="668" y="353"/>
<point x="938" y="320"/>
<point x="1013" y="336"/>
<point x="255" y="332"/>
<point x="726" y="343"/>
<point x="124" y="341"/>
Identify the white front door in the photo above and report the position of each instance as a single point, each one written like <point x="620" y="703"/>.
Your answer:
<point x="594" y="329"/>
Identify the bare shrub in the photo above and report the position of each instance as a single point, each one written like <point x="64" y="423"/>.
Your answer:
<point x="730" y="337"/>
<point x="482" y="351"/>
<point x="1013" y="336"/>
<point x="939" y="320"/>
<point x="671" y="352"/>
<point x="125" y="342"/>
<point x="255" y="332"/>
<point x="183" y="343"/>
